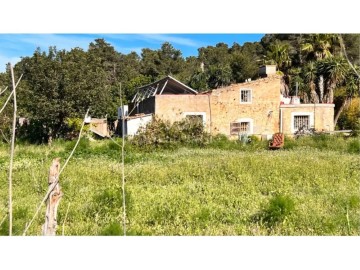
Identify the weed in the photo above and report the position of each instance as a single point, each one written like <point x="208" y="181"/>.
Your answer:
<point x="354" y="146"/>
<point x="278" y="208"/>
<point x="112" y="229"/>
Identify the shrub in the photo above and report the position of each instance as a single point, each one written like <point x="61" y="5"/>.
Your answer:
<point x="277" y="210"/>
<point x="162" y="134"/>
<point x="112" y="229"/>
<point x="221" y="141"/>
<point x="289" y="143"/>
<point x="350" y="117"/>
<point x="73" y="126"/>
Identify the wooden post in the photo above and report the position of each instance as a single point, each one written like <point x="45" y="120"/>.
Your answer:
<point x="53" y="200"/>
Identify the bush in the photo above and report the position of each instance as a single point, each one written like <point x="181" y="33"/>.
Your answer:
<point x="289" y="143"/>
<point x="73" y="127"/>
<point x="162" y="134"/>
<point x="350" y="117"/>
<point x="221" y="141"/>
<point x="112" y="229"/>
<point x="277" y="210"/>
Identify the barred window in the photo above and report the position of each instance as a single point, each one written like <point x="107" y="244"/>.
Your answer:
<point x="245" y="96"/>
<point x="301" y="122"/>
<point x="195" y="119"/>
<point x="239" y="128"/>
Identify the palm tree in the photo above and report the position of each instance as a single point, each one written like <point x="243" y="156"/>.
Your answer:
<point x="219" y="76"/>
<point x="310" y="73"/>
<point x="318" y="47"/>
<point x="279" y="53"/>
<point x="334" y="70"/>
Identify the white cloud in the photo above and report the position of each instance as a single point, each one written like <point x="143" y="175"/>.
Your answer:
<point x="172" y="39"/>
<point x="60" y="41"/>
<point x="14" y="46"/>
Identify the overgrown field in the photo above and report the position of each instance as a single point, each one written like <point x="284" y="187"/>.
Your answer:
<point x="311" y="187"/>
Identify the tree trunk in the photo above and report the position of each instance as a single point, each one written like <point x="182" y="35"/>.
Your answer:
<point x="284" y="88"/>
<point x="343" y="106"/>
<point x="305" y="98"/>
<point x="313" y="94"/>
<point x="331" y="92"/>
<point x="52" y="202"/>
<point x="321" y="88"/>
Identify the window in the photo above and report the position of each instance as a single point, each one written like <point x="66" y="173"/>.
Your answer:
<point x="245" y="96"/>
<point x="196" y="116"/>
<point x="301" y="122"/>
<point x="241" y="126"/>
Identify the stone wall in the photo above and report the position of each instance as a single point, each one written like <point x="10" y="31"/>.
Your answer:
<point x="222" y="106"/>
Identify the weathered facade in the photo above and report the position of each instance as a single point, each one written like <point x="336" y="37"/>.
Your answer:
<point x="254" y="107"/>
<point x="317" y="116"/>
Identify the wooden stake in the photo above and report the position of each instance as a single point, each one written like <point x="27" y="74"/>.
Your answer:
<point x="53" y="186"/>
<point x="53" y="200"/>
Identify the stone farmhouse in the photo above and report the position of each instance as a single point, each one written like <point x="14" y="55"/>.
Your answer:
<point x="253" y="107"/>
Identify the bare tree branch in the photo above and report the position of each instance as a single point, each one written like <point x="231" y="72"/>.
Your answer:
<point x="2" y="91"/>
<point x="12" y="150"/>
<point x="342" y="45"/>
<point x="2" y="221"/>
<point x="12" y="92"/>
<point x="2" y="133"/>
<point x="7" y="100"/>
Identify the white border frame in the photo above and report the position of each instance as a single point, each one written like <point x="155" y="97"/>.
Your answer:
<point x="203" y="114"/>
<point x="250" y="120"/>
<point x="293" y="114"/>
<point x="251" y="95"/>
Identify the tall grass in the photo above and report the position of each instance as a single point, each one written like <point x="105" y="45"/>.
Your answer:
<point x="221" y="188"/>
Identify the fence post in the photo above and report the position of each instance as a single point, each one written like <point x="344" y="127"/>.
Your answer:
<point x="53" y="200"/>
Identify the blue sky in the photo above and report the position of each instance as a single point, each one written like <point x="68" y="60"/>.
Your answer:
<point x="14" y="46"/>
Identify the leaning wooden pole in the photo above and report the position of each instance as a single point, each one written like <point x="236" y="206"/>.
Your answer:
<point x="53" y="200"/>
<point x="12" y="151"/>
<point x="122" y="161"/>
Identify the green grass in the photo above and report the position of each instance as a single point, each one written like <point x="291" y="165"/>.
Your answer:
<point x="224" y="188"/>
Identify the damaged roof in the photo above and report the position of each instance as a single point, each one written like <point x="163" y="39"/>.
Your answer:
<point x="165" y="86"/>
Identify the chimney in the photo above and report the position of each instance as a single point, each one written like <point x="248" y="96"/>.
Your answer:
<point x="266" y="70"/>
